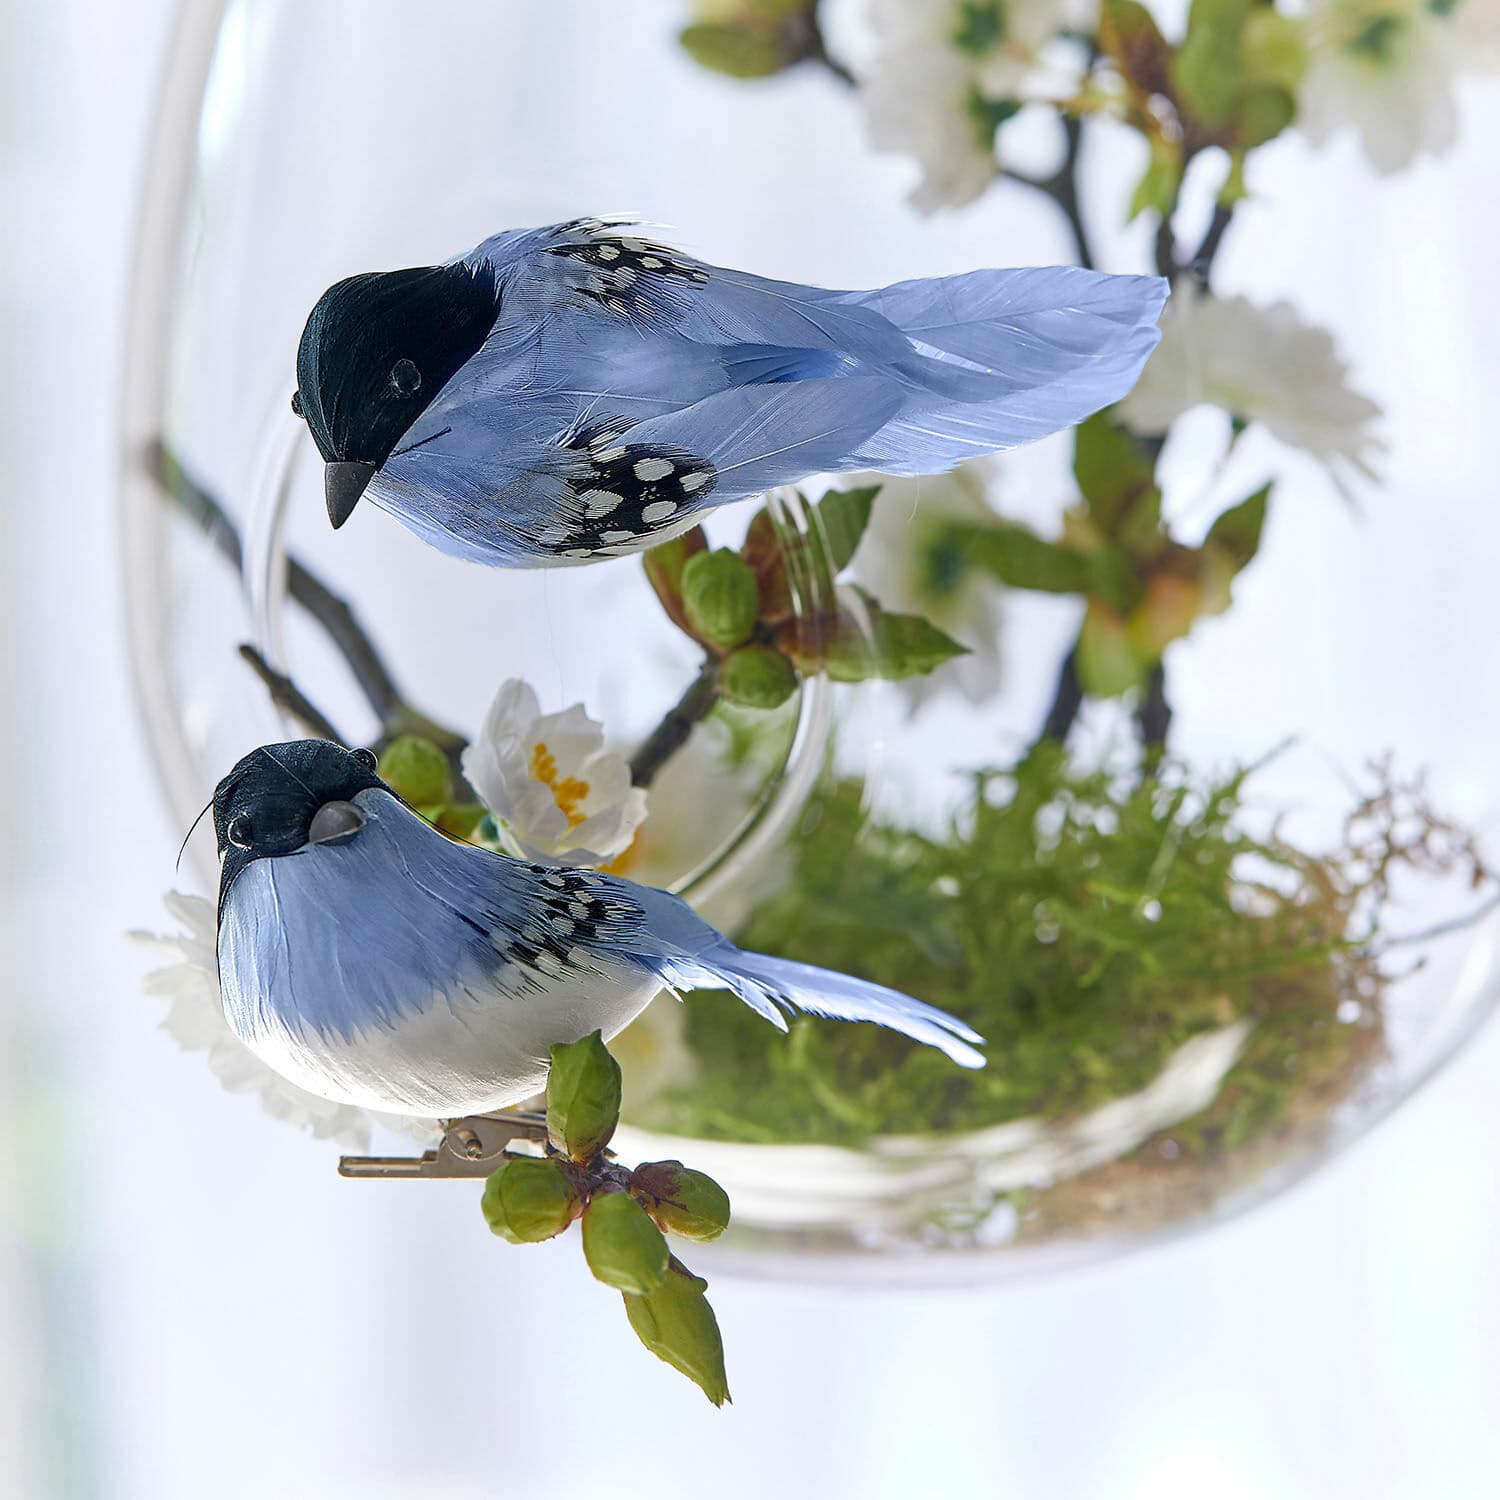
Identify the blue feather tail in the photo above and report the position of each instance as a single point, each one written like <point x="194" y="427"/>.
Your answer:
<point x="770" y="986"/>
<point x="1002" y="357"/>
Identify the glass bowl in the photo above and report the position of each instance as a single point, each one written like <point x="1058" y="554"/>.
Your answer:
<point x="297" y="145"/>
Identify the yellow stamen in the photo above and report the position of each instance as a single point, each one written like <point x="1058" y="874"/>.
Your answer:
<point x="569" y="793"/>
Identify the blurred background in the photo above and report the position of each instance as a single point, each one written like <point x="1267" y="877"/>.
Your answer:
<point x="192" y="1303"/>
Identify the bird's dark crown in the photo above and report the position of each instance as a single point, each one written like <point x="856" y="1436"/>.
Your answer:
<point x="379" y="347"/>
<point x="265" y="805"/>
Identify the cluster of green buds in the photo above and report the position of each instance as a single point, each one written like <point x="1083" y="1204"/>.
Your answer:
<point x="1143" y="590"/>
<point x="771" y="612"/>
<point x="1230" y="82"/>
<point x="626" y="1215"/>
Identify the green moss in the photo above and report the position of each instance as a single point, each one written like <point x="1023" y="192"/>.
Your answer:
<point x="1086" y="924"/>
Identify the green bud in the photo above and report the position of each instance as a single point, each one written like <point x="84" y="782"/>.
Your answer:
<point x="530" y="1199"/>
<point x="757" y="677"/>
<point x="583" y="1097"/>
<point x="739" y="51"/>
<point x="461" y="819"/>
<point x="682" y="1201"/>
<point x="417" y="770"/>
<point x="721" y="598"/>
<point x="623" y="1247"/>
<point x="676" y="1324"/>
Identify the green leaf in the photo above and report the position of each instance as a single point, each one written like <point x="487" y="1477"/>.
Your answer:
<point x="415" y="769"/>
<point x="530" y="1199"/>
<point x="1112" y="471"/>
<point x="870" y="642"/>
<point x="677" y="1325"/>
<point x="839" y="520"/>
<point x="1129" y="34"/>
<point x="980" y="26"/>
<point x="1236" y="534"/>
<point x="720" y="598"/>
<point x="1207" y="72"/>
<point x="623" y="1247"/>
<point x="757" y="677"/>
<point x="1159" y="183"/>
<point x="1114" y="577"/>
<point x="1018" y="556"/>
<point x="682" y="1201"/>
<point x="583" y="1097"/>
<point x="737" y="52"/>
<point x="1107" y="664"/>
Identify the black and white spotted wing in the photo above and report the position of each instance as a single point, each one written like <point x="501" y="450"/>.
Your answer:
<point x="571" y="916"/>
<point x="621" y="496"/>
<point x="627" y="274"/>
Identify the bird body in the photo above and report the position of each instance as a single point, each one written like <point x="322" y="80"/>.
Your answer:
<point x="562" y="394"/>
<point x="373" y="960"/>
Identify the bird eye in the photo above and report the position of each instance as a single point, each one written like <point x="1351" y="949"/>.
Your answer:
<point x="406" y="377"/>
<point x="238" y="832"/>
<point x="366" y="758"/>
<point x="296" y="403"/>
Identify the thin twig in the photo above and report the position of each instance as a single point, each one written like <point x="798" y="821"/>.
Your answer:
<point x="287" y="696"/>
<point x="1062" y="188"/>
<point x="1153" y="716"/>
<point x="676" y="726"/>
<point x="814" y="48"/>
<point x="331" y="612"/>
<point x="1200" y="265"/>
<point x="1067" y="700"/>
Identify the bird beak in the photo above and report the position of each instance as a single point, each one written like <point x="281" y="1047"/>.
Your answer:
<point x="335" y="822"/>
<point x="343" y="484"/>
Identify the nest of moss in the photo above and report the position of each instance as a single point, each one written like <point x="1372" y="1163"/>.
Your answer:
<point x="1087" y="924"/>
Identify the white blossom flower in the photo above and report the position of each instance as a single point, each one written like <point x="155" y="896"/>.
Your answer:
<point x="895" y="562"/>
<point x="1261" y="364"/>
<point x="195" y="1021"/>
<point x="1386" y="69"/>
<point x="945" y="72"/>
<point x="549" y="780"/>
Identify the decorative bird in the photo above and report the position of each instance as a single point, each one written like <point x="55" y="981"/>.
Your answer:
<point x="562" y="394"/>
<point x="376" y="961"/>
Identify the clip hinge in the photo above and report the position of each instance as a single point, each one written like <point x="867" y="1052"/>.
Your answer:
<point x="471" y="1147"/>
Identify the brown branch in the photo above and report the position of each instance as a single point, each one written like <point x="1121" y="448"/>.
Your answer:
<point x="286" y="695"/>
<point x="1067" y="700"/>
<point x="676" y="726"/>
<point x="1200" y="264"/>
<point x="331" y="612"/>
<point x="1062" y="188"/>
<point x="814" y="47"/>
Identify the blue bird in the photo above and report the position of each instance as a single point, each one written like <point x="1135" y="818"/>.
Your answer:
<point x="374" y="960"/>
<point x="562" y="394"/>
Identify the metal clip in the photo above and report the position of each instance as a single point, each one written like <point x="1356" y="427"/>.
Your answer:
<point x="471" y="1147"/>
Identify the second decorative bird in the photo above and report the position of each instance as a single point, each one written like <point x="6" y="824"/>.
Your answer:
<point x="562" y="394"/>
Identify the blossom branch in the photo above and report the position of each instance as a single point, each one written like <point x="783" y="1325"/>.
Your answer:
<point x="676" y="726"/>
<point x="1067" y="700"/>
<point x="815" y="47"/>
<point x="1062" y="188"/>
<point x="288" y="697"/>
<point x="329" y="610"/>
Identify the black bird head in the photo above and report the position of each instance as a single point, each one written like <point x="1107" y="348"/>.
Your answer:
<point x="280" y="798"/>
<point x="375" y="352"/>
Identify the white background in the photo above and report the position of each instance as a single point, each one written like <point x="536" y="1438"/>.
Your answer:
<point x="192" y="1305"/>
